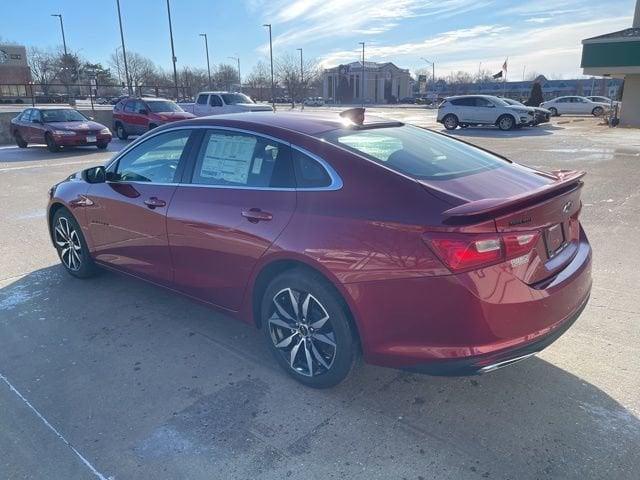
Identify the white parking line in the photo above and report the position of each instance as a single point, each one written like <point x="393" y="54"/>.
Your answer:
<point x="47" y="165"/>
<point x="53" y="429"/>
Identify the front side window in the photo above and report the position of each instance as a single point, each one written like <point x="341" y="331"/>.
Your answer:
<point x="242" y="160"/>
<point x="416" y="152"/>
<point x="155" y="160"/>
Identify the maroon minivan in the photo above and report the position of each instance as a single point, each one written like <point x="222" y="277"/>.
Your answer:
<point x="340" y="236"/>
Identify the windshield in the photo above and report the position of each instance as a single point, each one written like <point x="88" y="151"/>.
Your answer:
<point x="416" y="152"/>
<point x="158" y="106"/>
<point x="234" y="98"/>
<point x="62" y="115"/>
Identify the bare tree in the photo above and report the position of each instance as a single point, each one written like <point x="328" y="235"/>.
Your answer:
<point x="44" y="67"/>
<point x="295" y="80"/>
<point x="259" y="81"/>
<point x="141" y="69"/>
<point x="225" y="76"/>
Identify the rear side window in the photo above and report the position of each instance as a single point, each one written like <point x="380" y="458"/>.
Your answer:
<point x="243" y="160"/>
<point x="416" y="152"/>
<point x="464" y="102"/>
<point x="215" y="101"/>
<point x="25" y="116"/>
<point x="202" y="99"/>
<point x="130" y="106"/>
<point x="309" y="172"/>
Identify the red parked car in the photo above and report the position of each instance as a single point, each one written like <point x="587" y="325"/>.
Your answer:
<point x="135" y="116"/>
<point x="58" y="127"/>
<point x="336" y="236"/>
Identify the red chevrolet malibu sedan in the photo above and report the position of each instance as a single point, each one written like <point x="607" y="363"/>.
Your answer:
<point x="58" y="127"/>
<point x="340" y="236"/>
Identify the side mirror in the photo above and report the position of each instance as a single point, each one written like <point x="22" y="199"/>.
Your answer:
<point x="143" y="111"/>
<point x="94" y="174"/>
<point x="91" y="118"/>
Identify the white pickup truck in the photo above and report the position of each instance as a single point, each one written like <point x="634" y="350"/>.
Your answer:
<point x="216" y="103"/>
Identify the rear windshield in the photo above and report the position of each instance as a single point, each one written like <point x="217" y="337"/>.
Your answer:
<point x="416" y="152"/>
<point x="163" y="106"/>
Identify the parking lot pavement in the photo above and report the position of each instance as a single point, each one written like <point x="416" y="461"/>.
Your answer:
<point x="114" y="378"/>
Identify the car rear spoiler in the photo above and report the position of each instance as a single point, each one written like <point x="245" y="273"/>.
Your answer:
<point x="564" y="178"/>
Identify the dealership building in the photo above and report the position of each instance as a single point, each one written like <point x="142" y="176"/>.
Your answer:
<point x="382" y="83"/>
<point x="14" y="70"/>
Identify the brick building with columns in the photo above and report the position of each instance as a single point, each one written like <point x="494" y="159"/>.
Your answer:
<point x="383" y="83"/>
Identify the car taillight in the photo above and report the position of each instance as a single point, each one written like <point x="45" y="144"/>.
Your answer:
<point x="460" y="252"/>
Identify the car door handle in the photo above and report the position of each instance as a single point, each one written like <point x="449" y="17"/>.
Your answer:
<point x="255" y="215"/>
<point x="154" y="202"/>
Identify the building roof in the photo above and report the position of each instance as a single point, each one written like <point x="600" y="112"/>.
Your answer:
<point x="368" y="65"/>
<point x="628" y="34"/>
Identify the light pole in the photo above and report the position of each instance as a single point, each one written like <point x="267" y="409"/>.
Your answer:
<point x="362" y="79"/>
<point x="66" y="58"/>
<point x="206" y="48"/>
<point x="64" y="40"/>
<point x="301" y="79"/>
<point x="433" y="74"/>
<point x="239" y="77"/>
<point x="273" y="96"/>
<point x="124" y="51"/>
<point x="173" y="52"/>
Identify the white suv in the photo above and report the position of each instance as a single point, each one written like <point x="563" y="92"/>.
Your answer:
<point x="465" y="110"/>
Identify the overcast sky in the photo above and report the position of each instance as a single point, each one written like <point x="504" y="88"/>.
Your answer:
<point x="537" y="35"/>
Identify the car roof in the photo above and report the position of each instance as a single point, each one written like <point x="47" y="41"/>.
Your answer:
<point x="219" y="92"/>
<point x="312" y="124"/>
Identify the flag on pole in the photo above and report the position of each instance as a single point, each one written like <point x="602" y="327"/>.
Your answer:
<point x="504" y="65"/>
<point x="498" y="75"/>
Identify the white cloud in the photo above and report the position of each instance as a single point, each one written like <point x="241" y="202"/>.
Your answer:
<point x="552" y="49"/>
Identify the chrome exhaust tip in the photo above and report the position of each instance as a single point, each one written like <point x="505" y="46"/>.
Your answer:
<point x="504" y="363"/>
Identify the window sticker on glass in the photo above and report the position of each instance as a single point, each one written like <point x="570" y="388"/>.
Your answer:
<point x="257" y="166"/>
<point x="228" y="158"/>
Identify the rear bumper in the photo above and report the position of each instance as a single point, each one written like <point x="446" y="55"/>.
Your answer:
<point x="479" y="364"/>
<point x="460" y="324"/>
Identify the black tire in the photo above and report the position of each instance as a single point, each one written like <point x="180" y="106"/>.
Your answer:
<point x="102" y="146"/>
<point x="19" y="140"/>
<point x="506" y="122"/>
<point x="597" y="112"/>
<point x="315" y="362"/>
<point x="51" y="143"/>
<point x="554" y="112"/>
<point x="77" y="262"/>
<point x="121" y="133"/>
<point x="450" y="121"/>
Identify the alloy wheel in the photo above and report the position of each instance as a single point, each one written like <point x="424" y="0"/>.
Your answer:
<point x="506" y="123"/>
<point x="68" y="242"/>
<point x="301" y="330"/>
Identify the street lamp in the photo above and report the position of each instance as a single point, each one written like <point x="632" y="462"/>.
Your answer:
<point x="66" y="58"/>
<point x="206" y="47"/>
<point x="301" y="78"/>
<point x="273" y="95"/>
<point x="433" y="74"/>
<point x="239" y="77"/>
<point x="173" y="52"/>
<point x="362" y="79"/>
<point x="124" y="51"/>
